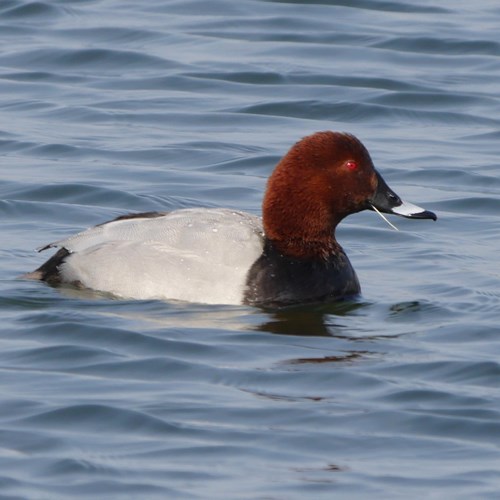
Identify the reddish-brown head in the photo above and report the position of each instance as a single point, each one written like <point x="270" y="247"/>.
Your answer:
<point x="322" y="179"/>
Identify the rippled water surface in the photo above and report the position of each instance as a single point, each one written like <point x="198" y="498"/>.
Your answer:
<point x="109" y="107"/>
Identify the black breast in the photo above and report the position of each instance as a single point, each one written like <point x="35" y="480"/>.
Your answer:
<point x="276" y="280"/>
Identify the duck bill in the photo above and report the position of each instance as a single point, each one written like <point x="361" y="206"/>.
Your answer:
<point x="387" y="201"/>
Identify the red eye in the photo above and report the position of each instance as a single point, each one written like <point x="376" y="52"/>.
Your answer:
<point x="351" y="165"/>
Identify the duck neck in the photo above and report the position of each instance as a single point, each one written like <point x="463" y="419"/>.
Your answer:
<point x="306" y="249"/>
<point x="300" y="230"/>
<point x="301" y="210"/>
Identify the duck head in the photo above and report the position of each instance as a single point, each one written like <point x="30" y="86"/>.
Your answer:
<point x="322" y="179"/>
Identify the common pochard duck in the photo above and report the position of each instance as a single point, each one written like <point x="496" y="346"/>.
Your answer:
<point x="290" y="256"/>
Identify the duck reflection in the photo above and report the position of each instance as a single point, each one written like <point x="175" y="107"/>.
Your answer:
<point x="317" y="321"/>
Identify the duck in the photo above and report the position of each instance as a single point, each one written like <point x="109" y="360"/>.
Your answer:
<point x="289" y="256"/>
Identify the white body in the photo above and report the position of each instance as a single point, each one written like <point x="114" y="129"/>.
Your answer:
<point x="196" y="255"/>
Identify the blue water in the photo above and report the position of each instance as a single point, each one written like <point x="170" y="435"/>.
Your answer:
<point x="109" y="107"/>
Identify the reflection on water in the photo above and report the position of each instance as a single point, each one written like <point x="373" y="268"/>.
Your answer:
<point x="349" y="357"/>
<point x="310" y="320"/>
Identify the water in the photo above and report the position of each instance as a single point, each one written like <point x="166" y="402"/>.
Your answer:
<point x="109" y="107"/>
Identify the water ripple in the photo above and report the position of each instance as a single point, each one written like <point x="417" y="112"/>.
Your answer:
<point x="85" y="59"/>
<point x="439" y="46"/>
<point x="112" y="107"/>
<point x="31" y="10"/>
